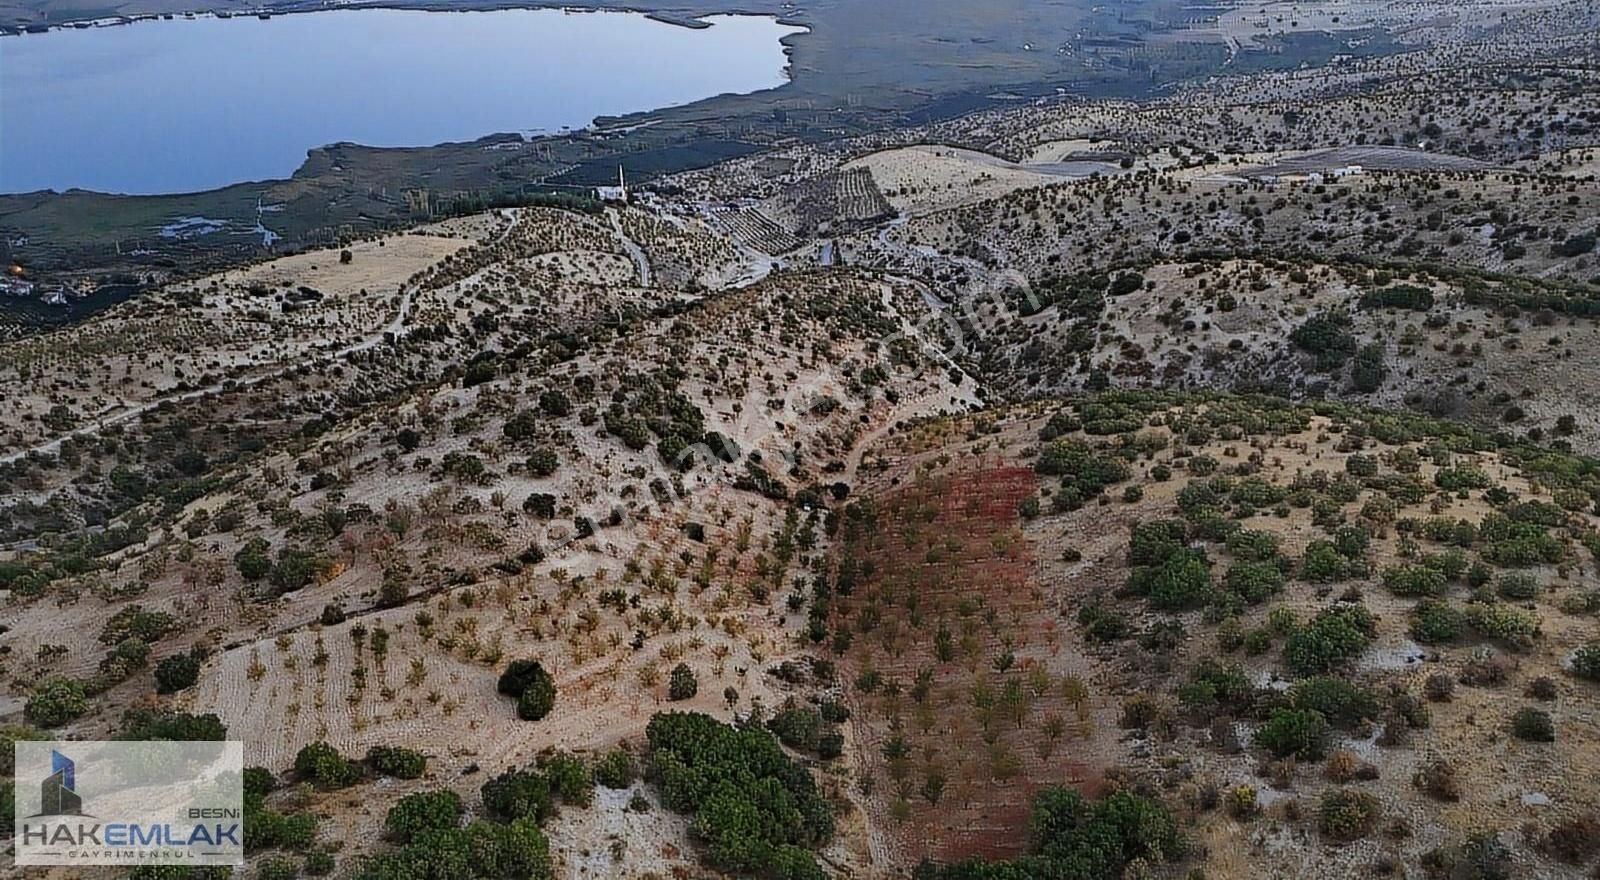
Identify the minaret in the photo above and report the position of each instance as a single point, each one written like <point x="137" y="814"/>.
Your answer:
<point x="622" y="183"/>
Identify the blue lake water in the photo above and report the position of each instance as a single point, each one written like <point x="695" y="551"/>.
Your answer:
<point x="190" y="104"/>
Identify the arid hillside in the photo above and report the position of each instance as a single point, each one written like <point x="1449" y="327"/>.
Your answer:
<point x="1199" y="487"/>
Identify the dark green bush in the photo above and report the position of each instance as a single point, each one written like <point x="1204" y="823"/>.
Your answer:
<point x="518" y="794"/>
<point x="615" y="769"/>
<point x="422" y="811"/>
<point x="1533" y="725"/>
<point x="55" y="702"/>
<point x="400" y="763"/>
<point x="682" y="683"/>
<point x="532" y="686"/>
<point x="1333" y="637"/>
<point x="756" y="810"/>
<point x="323" y="766"/>
<point x="1436" y="622"/>
<point x="1586" y="661"/>
<point x="1335" y="699"/>
<point x="178" y="672"/>
<point x="1302" y="733"/>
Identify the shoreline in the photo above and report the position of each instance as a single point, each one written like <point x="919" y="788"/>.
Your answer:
<point x="602" y="125"/>
<point x="668" y="16"/>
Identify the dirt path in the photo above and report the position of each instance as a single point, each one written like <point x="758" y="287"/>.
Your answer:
<point x="641" y="262"/>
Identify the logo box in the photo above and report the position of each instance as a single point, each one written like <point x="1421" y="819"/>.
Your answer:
<point x="129" y="803"/>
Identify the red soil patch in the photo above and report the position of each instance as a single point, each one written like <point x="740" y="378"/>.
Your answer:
<point x="935" y="586"/>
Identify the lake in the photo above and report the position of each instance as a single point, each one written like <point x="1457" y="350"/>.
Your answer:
<point x="180" y="105"/>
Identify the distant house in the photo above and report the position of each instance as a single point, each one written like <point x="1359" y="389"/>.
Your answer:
<point x="618" y="193"/>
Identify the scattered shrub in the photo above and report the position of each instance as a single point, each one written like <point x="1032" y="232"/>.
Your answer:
<point x="423" y="811"/>
<point x="400" y="763"/>
<point x="55" y="702"/>
<point x="1302" y="733"/>
<point x="1436" y="622"/>
<point x="178" y="672"/>
<point x="518" y="794"/>
<point x="1533" y="725"/>
<point x="323" y="766"/>
<point x="1336" y="635"/>
<point x="682" y="683"/>
<point x="533" y="688"/>
<point x="1438" y="779"/>
<point x="1347" y="815"/>
<point x="1440" y="687"/>
<point x="1586" y="661"/>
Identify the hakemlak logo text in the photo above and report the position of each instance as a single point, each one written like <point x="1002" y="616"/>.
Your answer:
<point x="119" y="803"/>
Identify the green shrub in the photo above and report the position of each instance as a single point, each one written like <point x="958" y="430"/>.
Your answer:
<point x="423" y="811"/>
<point x="1323" y="563"/>
<point x="1151" y="543"/>
<point x="1413" y="580"/>
<point x="1340" y="702"/>
<point x="319" y="863"/>
<point x="614" y="769"/>
<point x="268" y="829"/>
<point x="1533" y="725"/>
<point x="519" y="794"/>
<point x="1253" y="545"/>
<point x="1518" y="586"/>
<point x="1302" y="733"/>
<point x="1351" y="542"/>
<point x="1212" y="683"/>
<point x="1074" y="839"/>
<point x="1450" y="565"/>
<point x="1336" y="635"/>
<point x="682" y="683"/>
<point x="533" y="688"/>
<point x="570" y="780"/>
<point x="1497" y="620"/>
<point x="154" y="724"/>
<point x="1327" y="336"/>
<point x="323" y="766"/>
<point x="277" y="868"/>
<point x="1346" y="814"/>
<point x="480" y="851"/>
<point x="1436" y="622"/>
<point x="754" y="808"/>
<point x="1460" y="477"/>
<point x="1253" y="582"/>
<point x="1103" y="624"/>
<point x="1084" y="473"/>
<point x="178" y="672"/>
<point x="1359" y="465"/>
<point x="401" y="763"/>
<point x="55" y="702"/>
<point x="1257" y="641"/>
<point x="1586" y="661"/>
<point x="1181" y="581"/>
<point x="258" y="782"/>
<point x="518" y="676"/>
